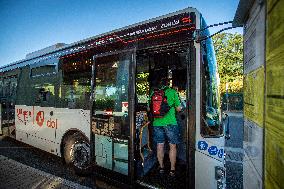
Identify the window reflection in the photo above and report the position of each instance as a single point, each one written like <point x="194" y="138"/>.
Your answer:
<point x="75" y="93"/>
<point x="111" y="97"/>
<point x="8" y="86"/>
<point x="112" y="87"/>
<point x="211" y="125"/>
<point x="47" y="70"/>
<point x="45" y="95"/>
<point x="75" y="90"/>
<point x="142" y="87"/>
<point x="43" y="83"/>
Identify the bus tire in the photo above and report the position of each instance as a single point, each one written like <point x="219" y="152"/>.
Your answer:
<point x="77" y="153"/>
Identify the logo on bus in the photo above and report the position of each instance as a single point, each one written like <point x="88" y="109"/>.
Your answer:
<point x="40" y="118"/>
<point x="212" y="150"/>
<point x="35" y="118"/>
<point x="202" y="145"/>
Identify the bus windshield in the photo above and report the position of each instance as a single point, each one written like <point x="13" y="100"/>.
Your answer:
<point x="211" y="125"/>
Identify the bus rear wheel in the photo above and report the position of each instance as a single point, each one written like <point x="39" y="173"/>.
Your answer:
<point x="77" y="153"/>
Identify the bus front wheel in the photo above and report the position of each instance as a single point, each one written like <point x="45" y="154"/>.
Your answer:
<point x="77" y="153"/>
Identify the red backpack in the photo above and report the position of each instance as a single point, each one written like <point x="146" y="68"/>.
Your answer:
<point x="159" y="104"/>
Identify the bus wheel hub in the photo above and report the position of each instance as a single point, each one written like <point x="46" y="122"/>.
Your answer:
<point x="80" y="154"/>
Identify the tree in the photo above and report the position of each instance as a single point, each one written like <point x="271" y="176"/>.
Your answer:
<point x="229" y="55"/>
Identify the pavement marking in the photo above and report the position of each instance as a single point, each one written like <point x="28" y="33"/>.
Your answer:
<point x="234" y="161"/>
<point x="17" y="175"/>
<point x="234" y="155"/>
<point x="235" y="114"/>
<point x="231" y="149"/>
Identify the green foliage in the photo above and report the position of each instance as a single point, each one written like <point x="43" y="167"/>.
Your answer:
<point x="142" y="84"/>
<point x="229" y="55"/>
<point x="104" y="104"/>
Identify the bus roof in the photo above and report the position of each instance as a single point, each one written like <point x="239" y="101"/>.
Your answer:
<point x="34" y="59"/>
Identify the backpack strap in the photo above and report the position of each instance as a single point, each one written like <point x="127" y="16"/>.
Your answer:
<point x="164" y="89"/>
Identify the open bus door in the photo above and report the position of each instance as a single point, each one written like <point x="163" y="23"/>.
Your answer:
<point x="112" y="116"/>
<point x="123" y="148"/>
<point x="174" y="63"/>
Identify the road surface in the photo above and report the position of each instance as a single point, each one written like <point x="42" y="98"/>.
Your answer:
<point x="234" y="151"/>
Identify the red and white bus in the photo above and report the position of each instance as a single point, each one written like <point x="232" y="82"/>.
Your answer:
<point x="87" y="102"/>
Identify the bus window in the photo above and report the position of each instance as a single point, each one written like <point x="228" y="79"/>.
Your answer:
<point x="43" y="84"/>
<point x="76" y="93"/>
<point x="13" y="86"/>
<point x="111" y="94"/>
<point x="6" y="88"/>
<point x="1" y="88"/>
<point x="210" y="118"/>
<point x="44" y="94"/>
<point x="75" y="90"/>
<point x="43" y="71"/>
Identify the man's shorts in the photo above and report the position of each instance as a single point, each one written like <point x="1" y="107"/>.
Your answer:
<point x="171" y="133"/>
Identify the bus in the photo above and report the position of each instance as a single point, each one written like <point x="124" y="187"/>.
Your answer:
<point x="87" y="102"/>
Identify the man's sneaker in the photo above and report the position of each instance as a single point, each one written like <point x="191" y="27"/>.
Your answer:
<point x="161" y="171"/>
<point x="172" y="174"/>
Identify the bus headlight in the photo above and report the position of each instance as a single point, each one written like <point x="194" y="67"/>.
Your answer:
<point x="220" y="173"/>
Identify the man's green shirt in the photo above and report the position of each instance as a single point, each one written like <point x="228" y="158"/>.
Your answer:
<point x="173" y="101"/>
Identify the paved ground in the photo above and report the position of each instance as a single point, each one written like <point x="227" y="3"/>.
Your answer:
<point x="33" y="159"/>
<point x="17" y="175"/>
<point x="234" y="152"/>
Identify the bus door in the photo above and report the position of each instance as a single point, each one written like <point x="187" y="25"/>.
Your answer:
<point x="152" y="64"/>
<point x="111" y="115"/>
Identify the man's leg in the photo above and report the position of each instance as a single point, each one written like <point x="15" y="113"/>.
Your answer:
<point x="159" y="137"/>
<point x="160" y="154"/>
<point x="173" y="135"/>
<point x="173" y="156"/>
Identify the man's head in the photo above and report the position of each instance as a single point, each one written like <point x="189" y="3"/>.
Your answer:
<point x="159" y="78"/>
<point x="163" y="81"/>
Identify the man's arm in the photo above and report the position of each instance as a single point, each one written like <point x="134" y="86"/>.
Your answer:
<point x="177" y="102"/>
<point x="178" y="109"/>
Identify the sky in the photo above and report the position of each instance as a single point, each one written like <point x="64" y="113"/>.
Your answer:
<point x="30" y="25"/>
